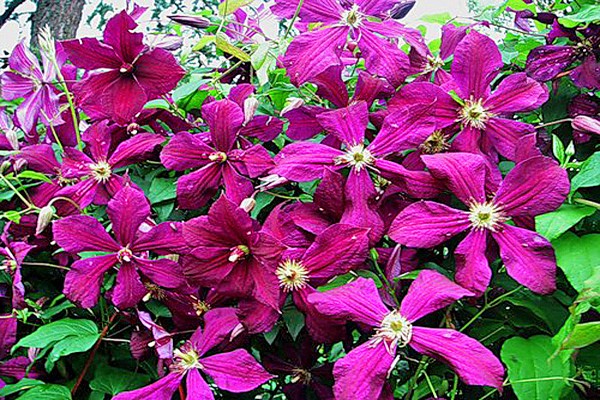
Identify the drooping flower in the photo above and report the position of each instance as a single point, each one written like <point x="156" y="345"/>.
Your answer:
<point x="235" y="371"/>
<point x="313" y="52"/>
<point x="232" y="254"/>
<point x="222" y="163"/>
<point x="124" y="73"/>
<point x="535" y="186"/>
<point x="127" y="211"/>
<point x="27" y="80"/>
<point x="359" y="301"/>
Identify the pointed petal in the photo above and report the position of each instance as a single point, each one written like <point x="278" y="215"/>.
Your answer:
<point x="185" y="151"/>
<point x="369" y="88"/>
<point x="158" y="72"/>
<point x="237" y="187"/>
<point x="472" y="268"/>
<point x="224" y="118"/>
<point x="453" y="167"/>
<point x="303" y="122"/>
<point x="360" y="198"/>
<point x="517" y="93"/>
<point x="431" y="291"/>
<point x="322" y="328"/>
<point x="357" y="301"/>
<point x="263" y="127"/>
<point x="218" y="325"/>
<point x="505" y="135"/>
<point x="118" y="34"/>
<point x="90" y="54"/>
<point x="196" y="189"/>
<point x="256" y="161"/>
<point x="347" y="124"/>
<point x="135" y="150"/>
<point x="383" y="58"/>
<point x="361" y="374"/>
<point x="123" y="99"/>
<point x="197" y="388"/>
<point x="476" y="63"/>
<point x="80" y="233"/>
<point x="236" y="371"/>
<point x="164" y="238"/>
<point x="528" y="257"/>
<point x="535" y="186"/>
<point x="304" y="161"/>
<point x="162" y="389"/>
<point x="83" y="281"/>
<point x="545" y="62"/>
<point x="163" y="272"/>
<point x="428" y="224"/>
<point x="418" y="184"/>
<point x="129" y="289"/>
<point x="127" y="211"/>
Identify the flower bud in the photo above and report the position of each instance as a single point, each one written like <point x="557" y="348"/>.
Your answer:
<point x="586" y="124"/>
<point x="5" y="166"/>
<point x="270" y="182"/>
<point x="402" y="8"/>
<point x="190" y="20"/>
<point x="570" y="150"/>
<point x="291" y="104"/>
<point x="44" y="219"/>
<point x="133" y="128"/>
<point x="12" y="138"/>
<point x="250" y="107"/>
<point x="248" y="204"/>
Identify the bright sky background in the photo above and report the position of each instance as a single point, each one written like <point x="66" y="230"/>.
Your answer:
<point x="13" y="31"/>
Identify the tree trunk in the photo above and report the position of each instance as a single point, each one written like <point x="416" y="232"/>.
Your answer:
<point x="63" y="18"/>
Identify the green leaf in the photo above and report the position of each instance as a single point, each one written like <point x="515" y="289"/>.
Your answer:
<point x="116" y="380"/>
<point x="583" y="335"/>
<point x="531" y="372"/>
<point x="294" y="320"/>
<point x="47" y="392"/>
<point x="230" y="6"/>
<point x="589" y="175"/>
<point x="578" y="257"/>
<point x="13" y="216"/>
<point x="160" y="104"/>
<point x="36" y="176"/>
<point x="23" y="384"/>
<point x="226" y="47"/>
<point x="558" y="149"/>
<point x="555" y="223"/>
<point x="162" y="189"/>
<point x="70" y="345"/>
<point x="259" y="55"/>
<point x="49" y="334"/>
<point x="262" y="200"/>
<point x="440" y="18"/>
<point x="203" y="42"/>
<point x="587" y="13"/>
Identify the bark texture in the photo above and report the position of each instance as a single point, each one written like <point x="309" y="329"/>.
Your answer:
<point x="63" y="18"/>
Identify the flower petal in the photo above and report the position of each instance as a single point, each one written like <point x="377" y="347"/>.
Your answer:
<point x="196" y="189"/>
<point x="162" y="389"/>
<point x="516" y="93"/>
<point x="304" y="161"/>
<point x="472" y="267"/>
<point x="127" y="211"/>
<point x="83" y="281"/>
<point x="157" y="72"/>
<point x="383" y="58"/>
<point x="129" y="289"/>
<point x="545" y="62"/>
<point x="185" y="151"/>
<point x="218" y="325"/>
<point x="236" y="371"/>
<point x="118" y="34"/>
<point x="197" y="388"/>
<point x="224" y="119"/>
<point x="122" y="99"/>
<point x="347" y="124"/>
<point x="80" y="233"/>
<point x="505" y="134"/>
<point x="90" y="54"/>
<point x="163" y="272"/>
<point x="135" y="150"/>
<point x="360" y="198"/>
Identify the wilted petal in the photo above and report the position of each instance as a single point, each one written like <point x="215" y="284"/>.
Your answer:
<point x="127" y="211"/>
<point x="477" y="61"/>
<point x="473" y="363"/>
<point x="452" y="169"/>
<point x="347" y="124"/>
<point x="587" y="75"/>
<point x="80" y="233"/>
<point x="162" y="389"/>
<point x="135" y="150"/>
<point x="83" y="281"/>
<point x="236" y="371"/>
<point x="361" y="374"/>
<point x="304" y="161"/>
<point x="535" y="186"/>
<point x="197" y="388"/>
<point x="163" y="272"/>
<point x="428" y="224"/>
<point x="357" y="301"/>
<point x="185" y="151"/>
<point x="528" y="257"/>
<point x="472" y="268"/>
<point x="516" y="93"/>
<point x="224" y="118"/>
<point x="129" y="289"/>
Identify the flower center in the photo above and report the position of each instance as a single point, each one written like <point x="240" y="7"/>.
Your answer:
<point x="219" y="157"/>
<point x="395" y="330"/>
<point x="434" y="63"/>
<point x="352" y="17"/>
<point x="124" y="255"/>
<point x="186" y="358"/>
<point x="301" y="375"/>
<point x="435" y="143"/>
<point x="357" y="156"/>
<point x="474" y="114"/>
<point x="8" y="265"/>
<point x="154" y="291"/>
<point x="485" y="215"/>
<point x="292" y="275"/>
<point x="101" y="171"/>
<point x="238" y="253"/>
<point x="126" y="68"/>
<point x="201" y="307"/>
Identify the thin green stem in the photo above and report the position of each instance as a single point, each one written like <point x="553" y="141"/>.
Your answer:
<point x="454" y="390"/>
<point x="293" y="21"/>
<point x="19" y="195"/>
<point x="36" y="264"/>
<point x="69" y="95"/>
<point x="413" y="382"/>
<point x="587" y="203"/>
<point x="431" y="388"/>
<point x="551" y="123"/>
<point x="489" y="305"/>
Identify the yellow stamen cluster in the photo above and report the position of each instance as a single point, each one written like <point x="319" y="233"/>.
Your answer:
<point x="473" y="114"/>
<point x="101" y="171"/>
<point x="485" y="215"/>
<point x="352" y="17"/>
<point x="395" y="330"/>
<point x="357" y="156"/>
<point x="292" y="275"/>
<point x="435" y="143"/>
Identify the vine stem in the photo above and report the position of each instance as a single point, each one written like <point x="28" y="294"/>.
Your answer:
<point x="489" y="305"/>
<point x="587" y="203"/>
<point x="557" y="122"/>
<point x="293" y="21"/>
<point x="36" y="264"/>
<point x="88" y="363"/>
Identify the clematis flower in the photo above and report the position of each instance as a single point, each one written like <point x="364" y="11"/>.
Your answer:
<point x="221" y="164"/>
<point x="535" y="186"/>
<point x="235" y="371"/>
<point x="95" y="173"/>
<point x="231" y="254"/>
<point x="313" y="52"/>
<point x="395" y="329"/>
<point x="14" y="253"/>
<point x="484" y="117"/>
<point x="26" y="79"/>
<point x="124" y="73"/>
<point x="307" y="161"/>
<point x="127" y="211"/>
<point x="8" y="136"/>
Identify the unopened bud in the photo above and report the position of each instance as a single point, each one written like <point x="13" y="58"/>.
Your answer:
<point x="291" y="104"/>
<point x="190" y="20"/>
<point x="250" y="107"/>
<point x="570" y="150"/>
<point x="402" y="8"/>
<point x="5" y="166"/>
<point x="271" y="181"/>
<point x="248" y="204"/>
<point x="12" y="138"/>
<point x="44" y="219"/>
<point x="167" y="42"/>
<point x="586" y="124"/>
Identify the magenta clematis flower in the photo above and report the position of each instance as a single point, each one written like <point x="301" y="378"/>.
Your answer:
<point x="484" y="117"/>
<point x="26" y="79"/>
<point x="97" y="181"/>
<point x="14" y="253"/>
<point x="235" y="371"/>
<point x="231" y="254"/>
<point x="125" y="73"/>
<point x="359" y="301"/>
<point x="127" y="211"/>
<point x="535" y="186"/>
<point x="313" y="52"/>
<point x="222" y="164"/>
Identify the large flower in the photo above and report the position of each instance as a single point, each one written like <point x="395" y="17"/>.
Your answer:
<point x="235" y="371"/>
<point x="222" y="164"/>
<point x="125" y="72"/>
<point x="127" y="211"/>
<point x="359" y="301"/>
<point x="535" y="186"/>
